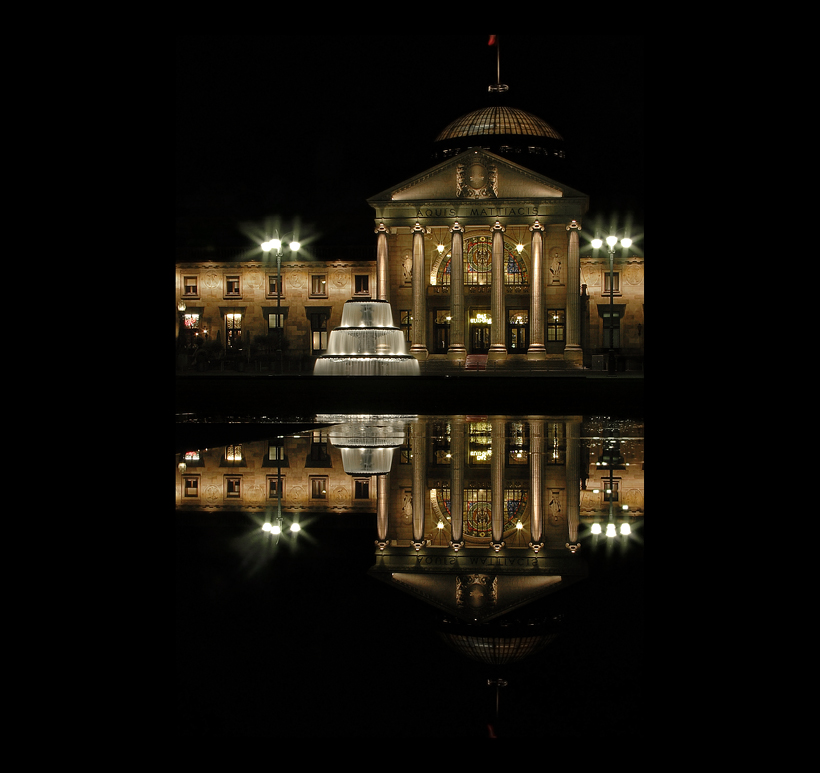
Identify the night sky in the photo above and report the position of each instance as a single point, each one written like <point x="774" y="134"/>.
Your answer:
<point x="310" y="126"/>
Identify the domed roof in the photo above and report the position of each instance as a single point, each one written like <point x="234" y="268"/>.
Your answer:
<point x="497" y="120"/>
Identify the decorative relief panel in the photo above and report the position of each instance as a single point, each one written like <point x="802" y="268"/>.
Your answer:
<point x="477" y="180"/>
<point x="634" y="274"/>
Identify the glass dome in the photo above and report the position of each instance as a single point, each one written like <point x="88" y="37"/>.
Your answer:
<point x="490" y="121"/>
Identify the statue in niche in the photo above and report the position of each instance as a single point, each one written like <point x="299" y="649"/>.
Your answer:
<point x="477" y="180"/>
<point x="407" y="266"/>
<point x="476" y="591"/>
<point x="407" y="507"/>
<point x="556" y="266"/>
<point x="555" y="510"/>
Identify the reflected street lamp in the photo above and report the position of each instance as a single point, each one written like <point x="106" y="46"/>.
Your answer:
<point x="276" y="244"/>
<point x="611" y="241"/>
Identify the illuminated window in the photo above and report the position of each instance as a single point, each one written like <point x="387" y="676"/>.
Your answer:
<point x="610" y="489"/>
<point x="406" y="324"/>
<point x="190" y="286"/>
<point x="233" y="329"/>
<point x="555" y="444"/>
<point x="232" y="288"/>
<point x="318" y="488"/>
<point x="233" y="486"/>
<point x="272" y="280"/>
<point x="441" y="443"/>
<point x="318" y="332"/>
<point x="441" y="331"/>
<point x="362" y="284"/>
<point x="616" y="282"/>
<point x="274" y="483"/>
<point x="318" y="286"/>
<point x="555" y="324"/>
<point x="190" y="486"/>
<point x="361" y="488"/>
<point x="275" y="321"/>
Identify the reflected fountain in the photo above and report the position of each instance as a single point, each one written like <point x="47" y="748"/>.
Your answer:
<point x="367" y="343"/>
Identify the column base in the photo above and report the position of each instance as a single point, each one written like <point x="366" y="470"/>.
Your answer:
<point x="456" y="354"/>
<point x="574" y="355"/>
<point x="420" y="352"/>
<point x="537" y="352"/>
<point x="497" y="352"/>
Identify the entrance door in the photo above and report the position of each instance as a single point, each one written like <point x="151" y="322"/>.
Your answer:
<point x="442" y="331"/>
<point x="517" y="338"/>
<point x="480" y="322"/>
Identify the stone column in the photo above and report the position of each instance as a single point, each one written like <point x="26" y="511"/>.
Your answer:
<point x="536" y="484"/>
<point x="498" y="348"/>
<point x="419" y="346"/>
<point x="419" y="466"/>
<point x="457" y="350"/>
<point x="537" y="350"/>
<point x="457" y="483"/>
<point x="497" y="482"/>
<point x="382" y="510"/>
<point x="572" y="350"/>
<point x="382" y="265"/>
<point x="573" y="468"/>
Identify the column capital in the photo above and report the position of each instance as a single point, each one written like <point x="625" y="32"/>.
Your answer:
<point x="457" y="227"/>
<point x="382" y="229"/>
<point x="536" y="226"/>
<point x="418" y="228"/>
<point x="573" y="225"/>
<point x="498" y="227"/>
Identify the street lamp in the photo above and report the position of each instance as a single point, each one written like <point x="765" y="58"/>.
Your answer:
<point x="611" y="241"/>
<point x="276" y="244"/>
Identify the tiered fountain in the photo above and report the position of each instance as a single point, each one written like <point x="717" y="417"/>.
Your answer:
<point x="366" y="344"/>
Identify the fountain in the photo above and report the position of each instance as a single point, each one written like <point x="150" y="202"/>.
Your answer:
<point x="366" y="344"/>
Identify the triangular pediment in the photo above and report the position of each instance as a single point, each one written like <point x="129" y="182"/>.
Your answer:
<point x="476" y="175"/>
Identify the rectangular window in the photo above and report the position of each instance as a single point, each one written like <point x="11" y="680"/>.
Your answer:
<point x="318" y="286"/>
<point x="190" y="286"/>
<point x="233" y="486"/>
<point x="233" y="329"/>
<point x="362" y="284"/>
<point x="190" y="486"/>
<point x="275" y="321"/>
<point x="517" y="331"/>
<point x="406" y="324"/>
<point x="318" y="332"/>
<point x="556" y="324"/>
<point x="610" y="489"/>
<point x="318" y="488"/>
<point x="361" y="488"/>
<point x="616" y="281"/>
<point x="233" y="454"/>
<point x="274" y="484"/>
<point x="272" y="280"/>
<point x="232" y="288"/>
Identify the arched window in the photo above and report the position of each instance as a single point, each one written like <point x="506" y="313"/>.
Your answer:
<point x="478" y="259"/>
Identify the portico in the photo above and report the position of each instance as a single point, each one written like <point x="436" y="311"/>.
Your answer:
<point x="475" y="253"/>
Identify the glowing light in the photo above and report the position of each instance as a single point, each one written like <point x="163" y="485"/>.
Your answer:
<point x="611" y="240"/>
<point x="596" y="528"/>
<point x="597" y="243"/>
<point x="626" y="242"/>
<point x="519" y="525"/>
<point x="610" y="530"/>
<point x="440" y="525"/>
<point x="625" y="529"/>
<point x="294" y="527"/>
<point x="294" y="246"/>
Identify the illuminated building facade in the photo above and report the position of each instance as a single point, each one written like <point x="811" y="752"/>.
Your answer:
<point x="484" y="260"/>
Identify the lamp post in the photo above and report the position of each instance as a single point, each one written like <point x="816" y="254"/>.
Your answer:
<point x="276" y="244"/>
<point x="611" y="241"/>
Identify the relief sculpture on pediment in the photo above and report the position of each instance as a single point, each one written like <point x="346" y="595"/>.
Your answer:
<point x="477" y="180"/>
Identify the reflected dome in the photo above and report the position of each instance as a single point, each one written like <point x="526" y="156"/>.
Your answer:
<point x="498" y="645"/>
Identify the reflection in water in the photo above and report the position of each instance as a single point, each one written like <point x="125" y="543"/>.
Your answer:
<point x="486" y="522"/>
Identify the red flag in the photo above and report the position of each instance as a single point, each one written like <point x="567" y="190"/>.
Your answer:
<point x="493" y="41"/>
